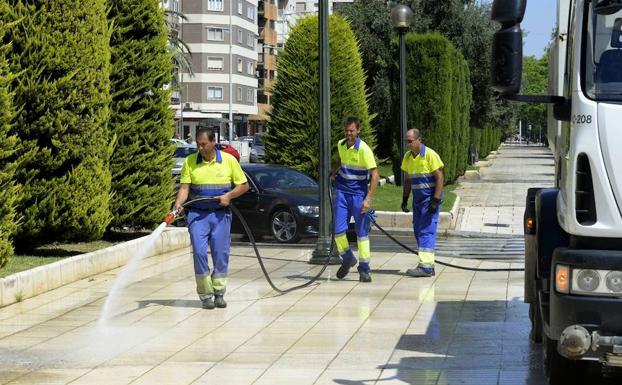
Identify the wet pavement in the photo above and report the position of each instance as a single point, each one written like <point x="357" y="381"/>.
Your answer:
<point x="459" y="327"/>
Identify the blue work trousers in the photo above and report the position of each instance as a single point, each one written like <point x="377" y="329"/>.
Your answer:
<point x="348" y="205"/>
<point x="210" y="229"/>
<point x="424" y="227"/>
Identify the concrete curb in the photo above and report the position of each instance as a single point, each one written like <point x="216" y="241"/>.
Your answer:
<point x="398" y="222"/>
<point x="26" y="284"/>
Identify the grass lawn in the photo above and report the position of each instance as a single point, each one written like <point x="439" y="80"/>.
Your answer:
<point x="389" y="198"/>
<point x="45" y="254"/>
<point x="385" y="169"/>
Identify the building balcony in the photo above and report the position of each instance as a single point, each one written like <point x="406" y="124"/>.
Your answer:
<point x="267" y="61"/>
<point x="267" y="10"/>
<point x="268" y="36"/>
<point x="262" y="112"/>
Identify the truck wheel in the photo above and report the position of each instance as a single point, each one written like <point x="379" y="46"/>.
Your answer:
<point x="535" y="334"/>
<point x="558" y="369"/>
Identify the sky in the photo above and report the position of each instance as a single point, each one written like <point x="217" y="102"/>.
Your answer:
<point x="537" y="25"/>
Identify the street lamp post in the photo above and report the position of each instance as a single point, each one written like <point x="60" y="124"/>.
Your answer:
<point x="323" y="246"/>
<point x="401" y="17"/>
<point x="230" y="73"/>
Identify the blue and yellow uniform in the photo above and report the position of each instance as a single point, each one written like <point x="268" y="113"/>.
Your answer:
<point x="420" y="169"/>
<point x="351" y="184"/>
<point x="209" y="224"/>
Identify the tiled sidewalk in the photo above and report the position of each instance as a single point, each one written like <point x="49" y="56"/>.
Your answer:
<point x="457" y="328"/>
<point x="496" y="202"/>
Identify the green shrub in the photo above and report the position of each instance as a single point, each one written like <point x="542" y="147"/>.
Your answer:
<point x="293" y="135"/>
<point x="8" y="146"/>
<point x="141" y="120"/>
<point x="60" y="49"/>
<point x="438" y="97"/>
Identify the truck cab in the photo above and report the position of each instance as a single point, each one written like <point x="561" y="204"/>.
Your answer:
<point x="573" y="231"/>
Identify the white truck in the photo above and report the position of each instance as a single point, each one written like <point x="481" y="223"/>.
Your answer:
<point x="573" y="230"/>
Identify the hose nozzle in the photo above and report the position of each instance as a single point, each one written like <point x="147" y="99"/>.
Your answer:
<point x="170" y="217"/>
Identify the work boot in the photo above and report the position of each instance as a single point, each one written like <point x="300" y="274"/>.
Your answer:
<point x="344" y="269"/>
<point x="364" y="276"/>
<point x="220" y="301"/>
<point x="208" y="303"/>
<point x="420" y="271"/>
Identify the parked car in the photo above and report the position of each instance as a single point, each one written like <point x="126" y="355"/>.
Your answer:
<point x="281" y="202"/>
<point x="178" y="142"/>
<point x="258" y="150"/>
<point x="182" y="151"/>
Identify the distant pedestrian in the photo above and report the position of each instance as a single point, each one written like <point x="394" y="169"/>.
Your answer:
<point x="204" y="174"/>
<point x="423" y="174"/>
<point x="355" y="168"/>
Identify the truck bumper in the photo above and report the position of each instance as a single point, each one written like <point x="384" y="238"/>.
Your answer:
<point x="599" y="316"/>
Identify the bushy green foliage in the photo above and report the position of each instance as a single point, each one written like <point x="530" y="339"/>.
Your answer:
<point x="141" y="120"/>
<point x="293" y="136"/>
<point x="60" y="51"/>
<point x="8" y="146"/>
<point x="438" y="97"/>
<point x="371" y="24"/>
<point x="535" y="82"/>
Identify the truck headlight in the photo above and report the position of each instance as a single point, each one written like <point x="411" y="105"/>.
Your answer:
<point x="309" y="210"/>
<point x="596" y="282"/>
<point x="588" y="280"/>
<point x="614" y="281"/>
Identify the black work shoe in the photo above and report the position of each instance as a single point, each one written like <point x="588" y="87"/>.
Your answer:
<point x="344" y="269"/>
<point x="421" y="272"/>
<point x="220" y="301"/>
<point x="208" y="303"/>
<point x="364" y="277"/>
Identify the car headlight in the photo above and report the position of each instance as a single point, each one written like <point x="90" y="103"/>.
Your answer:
<point x="309" y="210"/>
<point x="596" y="282"/>
<point x="254" y="152"/>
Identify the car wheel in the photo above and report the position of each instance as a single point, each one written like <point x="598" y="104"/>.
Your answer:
<point x="283" y="227"/>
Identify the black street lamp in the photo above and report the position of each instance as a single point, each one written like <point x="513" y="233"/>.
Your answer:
<point x="322" y="248"/>
<point x="401" y="17"/>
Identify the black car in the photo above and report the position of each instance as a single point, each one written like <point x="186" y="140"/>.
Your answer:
<point x="281" y="202"/>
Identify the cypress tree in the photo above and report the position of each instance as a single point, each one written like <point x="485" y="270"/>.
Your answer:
<point x="8" y="146"/>
<point x="141" y="119"/>
<point x="60" y="48"/>
<point x="293" y="136"/>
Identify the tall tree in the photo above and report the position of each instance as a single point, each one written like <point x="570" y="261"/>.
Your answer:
<point x="60" y="49"/>
<point x="8" y="146"/>
<point x="535" y="82"/>
<point x="141" y="120"/>
<point x="370" y="22"/>
<point x="293" y="134"/>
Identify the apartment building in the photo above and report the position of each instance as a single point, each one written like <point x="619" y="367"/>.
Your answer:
<point x="222" y="37"/>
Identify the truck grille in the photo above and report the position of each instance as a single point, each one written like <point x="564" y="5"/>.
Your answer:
<point x="584" y="193"/>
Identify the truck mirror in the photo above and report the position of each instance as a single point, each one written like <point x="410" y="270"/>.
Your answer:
<point x="507" y="60"/>
<point x="507" y="48"/>
<point x="607" y="7"/>
<point x="508" y="12"/>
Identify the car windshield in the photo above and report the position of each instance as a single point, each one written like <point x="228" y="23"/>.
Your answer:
<point x="603" y="53"/>
<point x="182" y="152"/>
<point x="258" y="140"/>
<point x="282" y="178"/>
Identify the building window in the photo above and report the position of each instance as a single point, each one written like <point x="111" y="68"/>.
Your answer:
<point x="215" y="34"/>
<point x="240" y="7"/>
<point x="214" y="93"/>
<point x="240" y="36"/>
<point x="250" y="13"/>
<point x="239" y="94"/>
<point x="249" y="68"/>
<point x="214" y="5"/>
<point x="301" y="7"/>
<point x="240" y="65"/>
<point x="249" y="95"/>
<point x="251" y="40"/>
<point x="214" y="63"/>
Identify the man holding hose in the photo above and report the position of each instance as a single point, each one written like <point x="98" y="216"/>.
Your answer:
<point x="210" y="173"/>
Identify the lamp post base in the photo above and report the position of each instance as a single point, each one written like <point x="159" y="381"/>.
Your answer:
<point x="321" y="253"/>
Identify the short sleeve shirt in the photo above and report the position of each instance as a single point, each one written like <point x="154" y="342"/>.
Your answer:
<point x="212" y="178"/>
<point x="420" y="169"/>
<point x="356" y="161"/>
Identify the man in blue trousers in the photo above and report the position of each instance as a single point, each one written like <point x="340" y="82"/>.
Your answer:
<point x="423" y="175"/>
<point x="355" y="168"/>
<point x="210" y="173"/>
